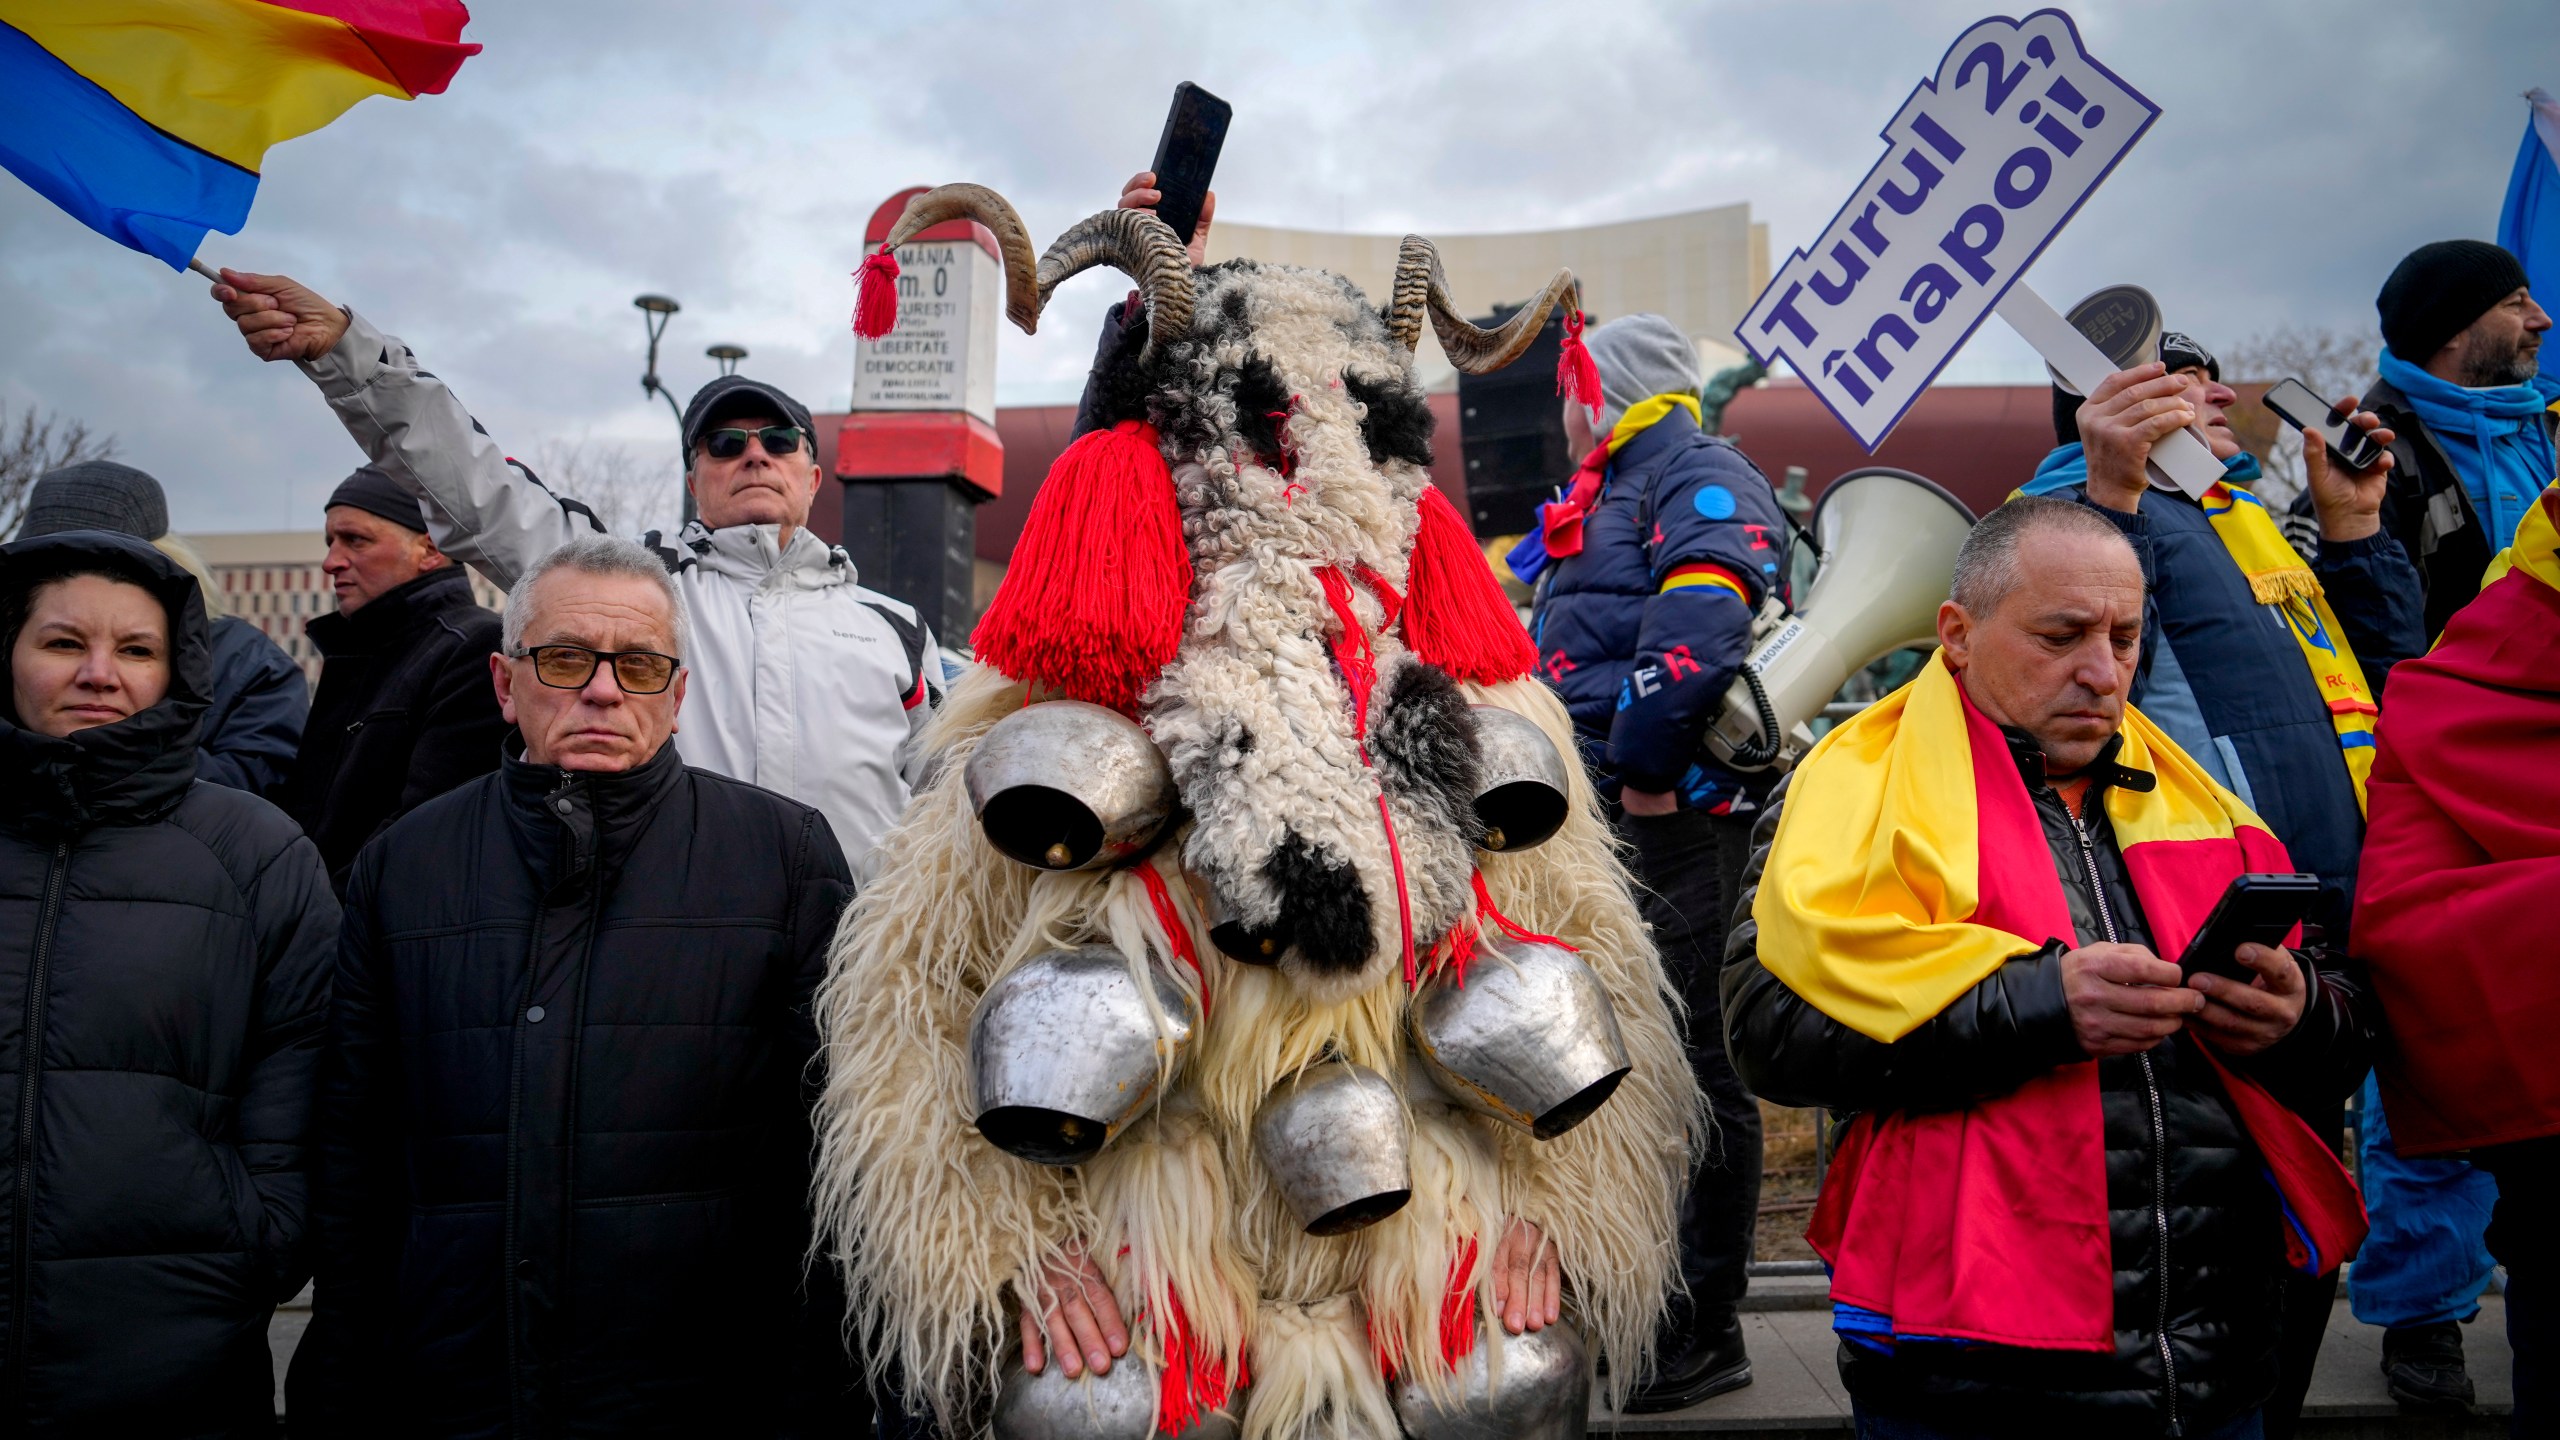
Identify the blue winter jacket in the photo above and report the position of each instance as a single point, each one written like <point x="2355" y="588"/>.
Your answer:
<point x="1644" y="669"/>
<point x="2224" y="676"/>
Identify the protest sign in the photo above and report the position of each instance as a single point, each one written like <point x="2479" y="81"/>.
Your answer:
<point x="1984" y="164"/>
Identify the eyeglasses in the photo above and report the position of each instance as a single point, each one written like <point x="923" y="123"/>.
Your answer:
<point x="570" y="667"/>
<point x="731" y="443"/>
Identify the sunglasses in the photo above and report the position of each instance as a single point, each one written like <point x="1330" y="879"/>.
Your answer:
<point x="731" y="443"/>
<point x="570" y="667"/>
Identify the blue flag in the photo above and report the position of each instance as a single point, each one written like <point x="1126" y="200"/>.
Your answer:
<point x="2529" y="226"/>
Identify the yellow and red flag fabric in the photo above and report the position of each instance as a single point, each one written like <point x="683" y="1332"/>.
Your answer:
<point x="2453" y="899"/>
<point x="148" y="120"/>
<point x="1909" y="864"/>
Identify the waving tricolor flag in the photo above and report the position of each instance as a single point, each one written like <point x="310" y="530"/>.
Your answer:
<point x="148" y="119"/>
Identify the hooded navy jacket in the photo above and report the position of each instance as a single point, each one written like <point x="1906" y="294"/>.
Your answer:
<point x="1643" y="631"/>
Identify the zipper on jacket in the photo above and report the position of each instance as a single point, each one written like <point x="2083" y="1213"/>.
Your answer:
<point x="2159" y="1145"/>
<point x="30" y="1069"/>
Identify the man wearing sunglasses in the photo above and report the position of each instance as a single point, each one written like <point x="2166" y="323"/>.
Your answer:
<point x="565" y="1131"/>
<point x="806" y="683"/>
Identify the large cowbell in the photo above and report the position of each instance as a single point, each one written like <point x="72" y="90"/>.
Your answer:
<point x="1529" y="1038"/>
<point x="1065" y="785"/>
<point x="1337" y="1143"/>
<point x="1544" y="1394"/>
<point x="1525" y="788"/>
<point x="1064" y="1051"/>
<point x="1120" y="1405"/>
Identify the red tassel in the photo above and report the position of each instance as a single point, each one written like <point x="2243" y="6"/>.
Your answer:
<point x="1577" y="374"/>
<point x="875" y="301"/>
<point x="1092" y="604"/>
<point x="1176" y="934"/>
<point x="1455" y="614"/>
<point x="1194" y="1383"/>
<point x="1458" y="1307"/>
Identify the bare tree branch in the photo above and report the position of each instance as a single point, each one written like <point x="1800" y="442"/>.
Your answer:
<point x="631" y="488"/>
<point x="35" y="443"/>
<point x="2332" y="360"/>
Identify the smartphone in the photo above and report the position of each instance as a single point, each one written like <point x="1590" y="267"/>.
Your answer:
<point x="1195" y="130"/>
<point x="2259" y="908"/>
<point x="2296" y="405"/>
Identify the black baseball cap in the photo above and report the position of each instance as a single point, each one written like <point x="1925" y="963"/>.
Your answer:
<point x="732" y="396"/>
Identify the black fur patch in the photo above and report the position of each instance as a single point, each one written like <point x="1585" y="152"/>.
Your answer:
<point x="1423" y="738"/>
<point x="1398" y="423"/>
<point x="1322" y="904"/>
<point x="1262" y="406"/>
<point x="1123" y="385"/>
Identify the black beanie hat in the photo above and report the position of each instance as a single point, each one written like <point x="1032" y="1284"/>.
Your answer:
<point x="2438" y="290"/>
<point x="96" y="495"/>
<point x="375" y="493"/>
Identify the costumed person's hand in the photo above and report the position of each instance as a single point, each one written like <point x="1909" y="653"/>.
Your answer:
<point x="2124" y="999"/>
<point x="2130" y="411"/>
<point x="1141" y="194"/>
<point x="2242" y="1019"/>
<point x="2348" y="502"/>
<point x="280" y="317"/>
<point x="1077" y="1317"/>
<point x="1528" y="1283"/>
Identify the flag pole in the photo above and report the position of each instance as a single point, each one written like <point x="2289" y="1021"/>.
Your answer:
<point x="204" y="270"/>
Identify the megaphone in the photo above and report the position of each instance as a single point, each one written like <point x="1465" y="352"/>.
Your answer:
<point x="1887" y="541"/>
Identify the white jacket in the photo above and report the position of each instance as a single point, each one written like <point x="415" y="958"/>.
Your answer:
<point x="803" y="682"/>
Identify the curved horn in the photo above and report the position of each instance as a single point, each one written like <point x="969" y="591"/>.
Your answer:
<point x="1138" y="245"/>
<point x="1421" y="289"/>
<point x="1022" y="293"/>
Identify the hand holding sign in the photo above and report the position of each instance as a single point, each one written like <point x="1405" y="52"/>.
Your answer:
<point x="2129" y="413"/>
<point x="1986" y="161"/>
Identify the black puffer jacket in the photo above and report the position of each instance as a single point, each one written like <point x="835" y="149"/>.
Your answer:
<point x="405" y="711"/>
<point x="566" y="1128"/>
<point x="164" y="959"/>
<point x="2197" y="1278"/>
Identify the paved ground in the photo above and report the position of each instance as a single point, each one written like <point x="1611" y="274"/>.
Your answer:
<point x="1796" y="1387"/>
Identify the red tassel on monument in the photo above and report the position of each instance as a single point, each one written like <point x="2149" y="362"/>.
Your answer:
<point x="1092" y="603"/>
<point x="875" y="300"/>
<point x="1455" y="614"/>
<point x="1577" y="374"/>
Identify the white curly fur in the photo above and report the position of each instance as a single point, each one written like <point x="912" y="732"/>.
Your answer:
<point x="936" y="1230"/>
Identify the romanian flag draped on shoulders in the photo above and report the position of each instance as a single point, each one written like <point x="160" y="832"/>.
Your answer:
<point x="148" y="120"/>
<point x="1909" y="864"/>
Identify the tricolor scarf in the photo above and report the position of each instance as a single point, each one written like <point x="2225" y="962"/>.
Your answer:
<point x="1909" y="864"/>
<point x="1559" y="531"/>
<point x="2462" y="860"/>
<point x="2278" y="577"/>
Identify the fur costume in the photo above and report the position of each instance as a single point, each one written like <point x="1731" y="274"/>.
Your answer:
<point x="1303" y="644"/>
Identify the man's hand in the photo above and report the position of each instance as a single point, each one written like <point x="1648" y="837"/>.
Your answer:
<point x="2242" y="1019"/>
<point x="280" y="317"/>
<point x="1647" y="802"/>
<point x="2124" y="999"/>
<point x="1528" y="1284"/>
<point x="2130" y="411"/>
<point x="1141" y="194"/>
<point x="1077" y="1316"/>
<point x="2348" y="502"/>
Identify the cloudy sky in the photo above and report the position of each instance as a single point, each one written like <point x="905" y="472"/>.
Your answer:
<point x="728" y="154"/>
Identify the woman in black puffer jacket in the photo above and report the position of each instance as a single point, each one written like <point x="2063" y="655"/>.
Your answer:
<point x="165" y="946"/>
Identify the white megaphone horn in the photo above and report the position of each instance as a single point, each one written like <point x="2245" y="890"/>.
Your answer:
<point x="1887" y="541"/>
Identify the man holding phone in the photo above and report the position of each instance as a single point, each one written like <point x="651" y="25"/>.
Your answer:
<point x="2267" y="669"/>
<point x="1956" y="921"/>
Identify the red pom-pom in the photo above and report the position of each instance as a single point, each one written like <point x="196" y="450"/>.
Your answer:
<point x="875" y="301"/>
<point x="1577" y="374"/>
<point x="1091" y="605"/>
<point x="1455" y="614"/>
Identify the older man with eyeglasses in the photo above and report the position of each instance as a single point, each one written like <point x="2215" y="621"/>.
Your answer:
<point x="565" y="1126"/>
<point x="810" y="686"/>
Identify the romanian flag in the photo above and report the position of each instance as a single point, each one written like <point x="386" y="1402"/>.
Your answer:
<point x="148" y="119"/>
<point x="1909" y="864"/>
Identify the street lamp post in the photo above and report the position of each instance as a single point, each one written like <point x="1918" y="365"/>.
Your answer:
<point x="728" y="356"/>
<point x="655" y="311"/>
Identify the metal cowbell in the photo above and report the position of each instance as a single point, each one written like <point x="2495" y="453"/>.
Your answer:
<point x="1529" y="1037"/>
<point x="1064" y="1051"/>
<point x="1544" y="1393"/>
<point x="1524" y="793"/>
<point x="1066" y="785"/>
<point x="1338" y="1144"/>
